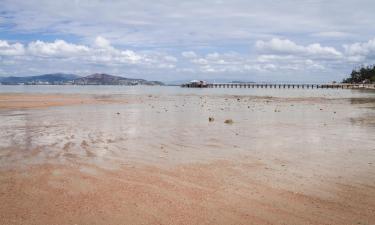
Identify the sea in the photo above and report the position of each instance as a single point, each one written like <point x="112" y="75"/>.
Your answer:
<point x="176" y="90"/>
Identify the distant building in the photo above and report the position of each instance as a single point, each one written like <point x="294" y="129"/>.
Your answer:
<point x="366" y="81"/>
<point x="196" y="84"/>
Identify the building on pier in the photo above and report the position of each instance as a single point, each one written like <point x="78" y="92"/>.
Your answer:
<point x="196" y="84"/>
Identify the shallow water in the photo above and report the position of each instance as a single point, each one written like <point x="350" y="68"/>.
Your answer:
<point x="174" y="90"/>
<point x="172" y="129"/>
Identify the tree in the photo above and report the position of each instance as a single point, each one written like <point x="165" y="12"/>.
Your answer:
<point x="363" y="74"/>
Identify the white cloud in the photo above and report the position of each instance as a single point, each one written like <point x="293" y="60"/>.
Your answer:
<point x="171" y="23"/>
<point x="170" y="58"/>
<point x="287" y="56"/>
<point x="319" y="51"/>
<point x="200" y="61"/>
<point x="228" y="63"/>
<point x="11" y="49"/>
<point x="102" y="52"/>
<point x="360" y="51"/>
<point x="60" y="55"/>
<point x="213" y="56"/>
<point x="101" y="42"/>
<point x="57" y="48"/>
<point x="276" y="45"/>
<point x="287" y="47"/>
<point x="128" y="56"/>
<point x="189" y="54"/>
<point x="277" y="56"/>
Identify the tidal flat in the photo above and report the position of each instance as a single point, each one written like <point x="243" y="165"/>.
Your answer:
<point x="151" y="158"/>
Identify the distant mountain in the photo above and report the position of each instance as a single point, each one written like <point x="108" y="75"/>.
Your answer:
<point x="61" y="78"/>
<point x="55" y="78"/>
<point x="106" y="79"/>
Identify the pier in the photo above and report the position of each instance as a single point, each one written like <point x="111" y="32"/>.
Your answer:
<point x="286" y="86"/>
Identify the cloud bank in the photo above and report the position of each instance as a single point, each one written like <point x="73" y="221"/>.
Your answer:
<point x="176" y="40"/>
<point x="274" y="55"/>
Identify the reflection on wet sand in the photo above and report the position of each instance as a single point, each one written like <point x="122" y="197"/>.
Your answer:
<point x="158" y="159"/>
<point x="21" y="101"/>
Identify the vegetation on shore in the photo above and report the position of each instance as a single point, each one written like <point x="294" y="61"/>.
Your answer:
<point x="364" y="74"/>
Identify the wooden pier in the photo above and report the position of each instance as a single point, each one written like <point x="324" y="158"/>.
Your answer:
<point x="287" y="86"/>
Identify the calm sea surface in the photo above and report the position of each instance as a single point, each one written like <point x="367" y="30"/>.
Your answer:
<point x="173" y="90"/>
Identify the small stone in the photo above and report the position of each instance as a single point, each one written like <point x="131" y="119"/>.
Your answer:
<point x="211" y="119"/>
<point x="228" y="121"/>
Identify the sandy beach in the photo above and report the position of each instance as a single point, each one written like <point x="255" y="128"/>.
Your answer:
<point x="157" y="159"/>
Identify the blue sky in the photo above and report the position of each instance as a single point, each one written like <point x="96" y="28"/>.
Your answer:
<point x="269" y="40"/>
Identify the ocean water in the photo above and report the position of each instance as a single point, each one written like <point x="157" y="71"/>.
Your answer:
<point x="175" y="90"/>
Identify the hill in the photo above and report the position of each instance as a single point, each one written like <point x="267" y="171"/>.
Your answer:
<point x="61" y="78"/>
<point x="106" y="79"/>
<point x="55" y="78"/>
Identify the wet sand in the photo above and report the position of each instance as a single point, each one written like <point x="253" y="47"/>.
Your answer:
<point x="22" y="101"/>
<point x="157" y="159"/>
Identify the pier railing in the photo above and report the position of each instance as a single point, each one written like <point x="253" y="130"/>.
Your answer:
<point x="302" y="86"/>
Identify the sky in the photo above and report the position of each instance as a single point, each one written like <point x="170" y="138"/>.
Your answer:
<point x="175" y="40"/>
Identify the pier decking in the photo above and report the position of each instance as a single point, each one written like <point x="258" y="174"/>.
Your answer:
<point x="269" y="85"/>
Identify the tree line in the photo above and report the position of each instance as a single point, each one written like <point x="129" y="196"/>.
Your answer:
<point x="364" y="74"/>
